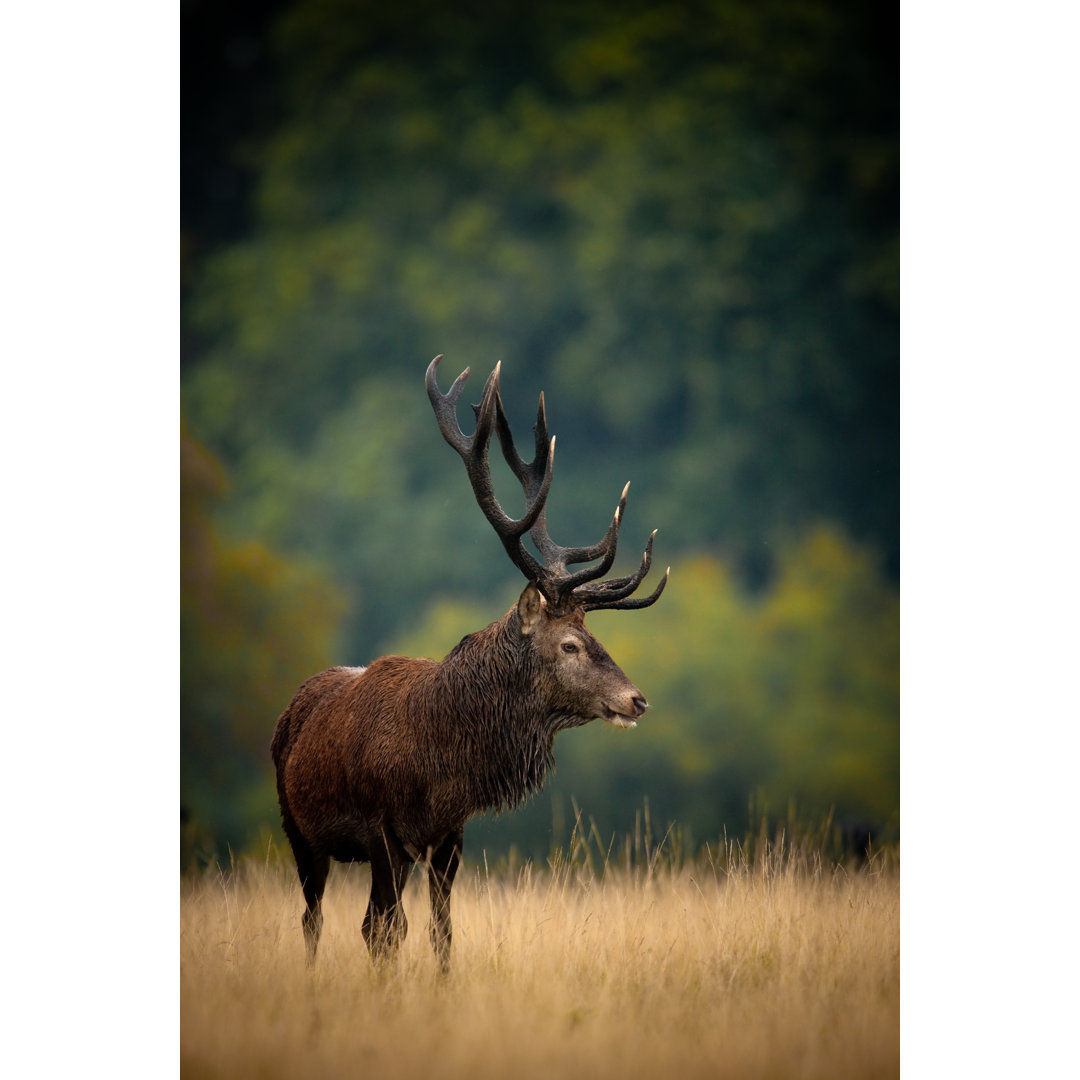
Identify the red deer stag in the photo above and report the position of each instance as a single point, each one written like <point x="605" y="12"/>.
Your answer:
<point x="385" y="764"/>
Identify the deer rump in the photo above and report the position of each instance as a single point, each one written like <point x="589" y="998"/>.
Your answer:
<point x="385" y="764"/>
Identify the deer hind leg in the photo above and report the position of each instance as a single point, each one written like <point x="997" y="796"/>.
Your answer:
<point x="312" y="868"/>
<point x="443" y="864"/>
<point x="385" y="925"/>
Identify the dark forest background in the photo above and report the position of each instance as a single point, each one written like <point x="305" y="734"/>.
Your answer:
<point x="679" y="220"/>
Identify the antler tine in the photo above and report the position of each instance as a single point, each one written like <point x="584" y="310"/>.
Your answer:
<point x="617" y="588"/>
<point x="630" y="605"/>
<point x="612" y="594"/>
<point x="445" y="406"/>
<point x="540" y="428"/>
<point x="532" y="476"/>
<point x="473" y="450"/>
<point x="606" y="548"/>
<point x="556" y="558"/>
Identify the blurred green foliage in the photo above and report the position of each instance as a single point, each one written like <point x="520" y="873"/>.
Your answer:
<point x="789" y="696"/>
<point x="679" y="220"/>
<point x="252" y="627"/>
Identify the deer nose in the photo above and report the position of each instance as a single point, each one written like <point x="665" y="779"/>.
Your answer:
<point x="640" y="705"/>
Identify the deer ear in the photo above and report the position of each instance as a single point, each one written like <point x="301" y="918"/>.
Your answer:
<point x="530" y="608"/>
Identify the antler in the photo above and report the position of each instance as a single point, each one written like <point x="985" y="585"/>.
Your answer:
<point x="562" y="589"/>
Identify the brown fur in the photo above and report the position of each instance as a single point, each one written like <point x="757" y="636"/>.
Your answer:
<point x="386" y="763"/>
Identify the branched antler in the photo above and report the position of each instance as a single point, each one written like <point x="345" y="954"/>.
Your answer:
<point x="562" y="589"/>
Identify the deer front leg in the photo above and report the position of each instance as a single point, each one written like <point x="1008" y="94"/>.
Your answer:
<point x="385" y="925"/>
<point x="443" y="863"/>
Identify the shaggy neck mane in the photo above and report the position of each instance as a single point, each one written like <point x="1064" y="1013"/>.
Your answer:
<point x="504" y="727"/>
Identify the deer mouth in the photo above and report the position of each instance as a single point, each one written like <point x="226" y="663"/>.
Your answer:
<point x="635" y="709"/>
<point x="617" y="719"/>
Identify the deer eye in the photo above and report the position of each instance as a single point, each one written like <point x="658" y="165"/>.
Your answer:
<point x="569" y="647"/>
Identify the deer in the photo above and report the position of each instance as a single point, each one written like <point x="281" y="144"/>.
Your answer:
<point x="386" y="763"/>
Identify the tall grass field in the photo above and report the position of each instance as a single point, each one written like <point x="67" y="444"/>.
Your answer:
<point x="771" y="962"/>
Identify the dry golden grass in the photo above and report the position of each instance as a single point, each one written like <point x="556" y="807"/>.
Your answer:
<point x="775" y="966"/>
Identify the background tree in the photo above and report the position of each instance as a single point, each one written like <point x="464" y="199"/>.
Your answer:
<point x="678" y="219"/>
<point x="252" y="627"/>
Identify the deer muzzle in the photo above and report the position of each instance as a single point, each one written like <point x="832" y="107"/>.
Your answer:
<point x="625" y="714"/>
